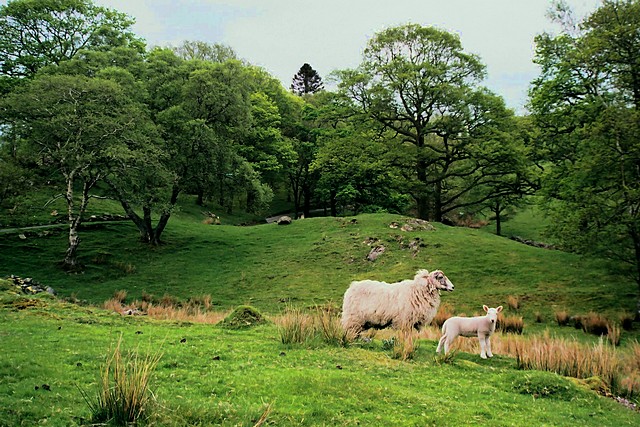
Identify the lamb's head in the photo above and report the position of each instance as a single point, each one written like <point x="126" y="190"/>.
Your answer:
<point x="437" y="279"/>
<point x="492" y="313"/>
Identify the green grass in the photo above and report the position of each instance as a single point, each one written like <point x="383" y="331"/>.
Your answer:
<point x="210" y="375"/>
<point x="215" y="376"/>
<point x="313" y="260"/>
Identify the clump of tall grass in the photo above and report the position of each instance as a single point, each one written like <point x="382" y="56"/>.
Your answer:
<point x="123" y="396"/>
<point x="445" y="311"/>
<point x="595" y="324"/>
<point x="295" y="326"/>
<point x="562" y="318"/>
<point x="331" y="331"/>
<point x="570" y="358"/>
<point x="196" y="310"/>
<point x="120" y="296"/>
<point x="513" y="303"/>
<point x="626" y="321"/>
<point x="405" y="345"/>
<point x="511" y="324"/>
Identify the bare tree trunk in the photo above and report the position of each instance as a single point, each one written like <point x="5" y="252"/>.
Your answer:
<point x="75" y="218"/>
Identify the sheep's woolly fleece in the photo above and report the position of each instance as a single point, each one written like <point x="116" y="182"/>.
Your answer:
<point x="409" y="303"/>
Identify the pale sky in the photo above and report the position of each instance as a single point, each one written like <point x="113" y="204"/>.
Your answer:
<point x="281" y="35"/>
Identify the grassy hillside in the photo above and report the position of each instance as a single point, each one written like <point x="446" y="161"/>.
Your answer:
<point x="209" y="375"/>
<point x="313" y="261"/>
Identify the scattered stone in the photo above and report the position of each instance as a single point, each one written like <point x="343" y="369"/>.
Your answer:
<point x="375" y="253"/>
<point x="284" y="220"/>
<point x="533" y="243"/>
<point x="30" y="286"/>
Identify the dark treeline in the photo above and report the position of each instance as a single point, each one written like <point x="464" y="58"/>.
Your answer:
<point x="87" y="107"/>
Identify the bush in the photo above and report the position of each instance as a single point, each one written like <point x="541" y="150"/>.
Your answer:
<point x="243" y="317"/>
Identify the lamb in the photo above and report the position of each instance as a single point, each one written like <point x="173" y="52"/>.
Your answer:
<point x="480" y="326"/>
<point x="409" y="303"/>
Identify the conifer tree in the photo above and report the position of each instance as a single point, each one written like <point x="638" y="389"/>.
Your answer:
<point x="306" y="80"/>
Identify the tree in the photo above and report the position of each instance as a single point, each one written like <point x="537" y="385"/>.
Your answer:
<point x="306" y="80"/>
<point x="586" y="103"/>
<point x="80" y="126"/>
<point x="37" y="33"/>
<point x="203" y="51"/>
<point x="417" y="83"/>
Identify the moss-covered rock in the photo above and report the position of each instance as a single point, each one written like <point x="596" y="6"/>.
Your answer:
<point x="242" y="317"/>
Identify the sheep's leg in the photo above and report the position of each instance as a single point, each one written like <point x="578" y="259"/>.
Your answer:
<point x="441" y="343"/>
<point x="488" y="345"/>
<point x="483" y="350"/>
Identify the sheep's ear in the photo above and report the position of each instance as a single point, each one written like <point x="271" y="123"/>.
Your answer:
<point x="485" y="308"/>
<point x="499" y="309"/>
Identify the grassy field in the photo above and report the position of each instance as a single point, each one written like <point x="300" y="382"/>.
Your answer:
<point x="209" y="375"/>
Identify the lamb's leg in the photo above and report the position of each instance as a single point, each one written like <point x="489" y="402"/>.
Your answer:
<point x="447" y="343"/>
<point x="483" y="351"/>
<point x="488" y="345"/>
<point x="440" y="344"/>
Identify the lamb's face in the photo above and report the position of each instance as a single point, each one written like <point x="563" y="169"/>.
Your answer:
<point x="441" y="281"/>
<point x="492" y="313"/>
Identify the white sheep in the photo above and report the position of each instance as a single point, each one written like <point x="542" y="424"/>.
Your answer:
<point x="409" y="303"/>
<point x="480" y="326"/>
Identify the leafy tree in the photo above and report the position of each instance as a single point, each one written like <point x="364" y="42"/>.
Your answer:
<point x="36" y="33"/>
<point x="306" y="81"/>
<point x="203" y="51"/>
<point x="79" y="126"/>
<point x="419" y="84"/>
<point x="587" y="103"/>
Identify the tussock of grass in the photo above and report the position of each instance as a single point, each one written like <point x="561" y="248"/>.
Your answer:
<point x="123" y="396"/>
<point x="243" y="317"/>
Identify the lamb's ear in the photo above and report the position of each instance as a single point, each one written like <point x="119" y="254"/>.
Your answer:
<point x="485" y="308"/>
<point x="499" y="309"/>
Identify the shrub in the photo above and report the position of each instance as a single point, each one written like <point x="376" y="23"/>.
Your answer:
<point x="562" y="317"/>
<point x="122" y="396"/>
<point x="242" y="317"/>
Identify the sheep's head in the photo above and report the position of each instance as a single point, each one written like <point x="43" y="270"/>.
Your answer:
<point x="440" y="281"/>
<point x="492" y="313"/>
